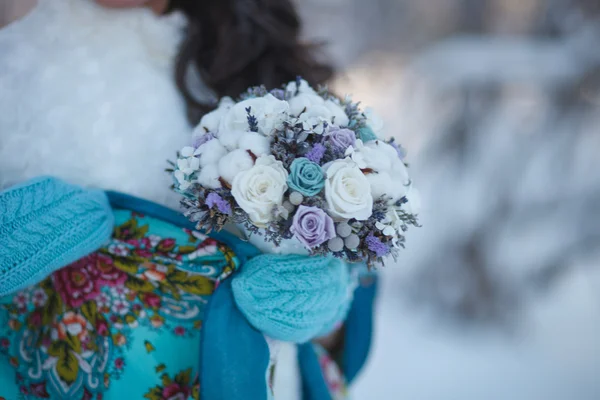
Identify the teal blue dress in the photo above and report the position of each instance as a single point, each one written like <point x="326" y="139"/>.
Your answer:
<point x="149" y="315"/>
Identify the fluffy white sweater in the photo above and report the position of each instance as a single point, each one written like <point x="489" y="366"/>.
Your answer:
<point x="87" y="94"/>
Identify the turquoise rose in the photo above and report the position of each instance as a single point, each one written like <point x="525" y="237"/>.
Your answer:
<point x="306" y="177"/>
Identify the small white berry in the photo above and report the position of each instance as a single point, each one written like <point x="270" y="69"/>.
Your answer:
<point x="343" y="229"/>
<point x="336" y="244"/>
<point x="289" y="206"/>
<point x="352" y="242"/>
<point x="296" y="198"/>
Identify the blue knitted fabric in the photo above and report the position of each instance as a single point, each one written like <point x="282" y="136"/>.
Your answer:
<point x="291" y="297"/>
<point x="46" y="224"/>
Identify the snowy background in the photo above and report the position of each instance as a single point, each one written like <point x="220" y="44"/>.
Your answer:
<point x="498" y="102"/>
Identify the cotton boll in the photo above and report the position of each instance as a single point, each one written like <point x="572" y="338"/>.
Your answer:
<point x="233" y="163"/>
<point x="211" y="152"/>
<point x="304" y="101"/>
<point x="255" y="142"/>
<point x="338" y="115"/>
<point x="209" y="177"/>
<point x="304" y="87"/>
<point x="210" y="121"/>
<point x="230" y="139"/>
<point x="381" y="184"/>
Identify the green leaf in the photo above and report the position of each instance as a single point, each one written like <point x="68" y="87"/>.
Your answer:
<point x="198" y="285"/>
<point x="184" y="377"/>
<point x="167" y="288"/>
<point x="130" y="318"/>
<point x="154" y="394"/>
<point x="186" y="249"/>
<point x="166" y="381"/>
<point x="140" y="232"/>
<point x="130" y="225"/>
<point x="74" y="343"/>
<point x="127" y="264"/>
<point x="196" y="393"/>
<point x="56" y="349"/>
<point x="53" y="307"/>
<point x="67" y="367"/>
<point x="89" y="309"/>
<point x="138" y="285"/>
<point x="177" y="277"/>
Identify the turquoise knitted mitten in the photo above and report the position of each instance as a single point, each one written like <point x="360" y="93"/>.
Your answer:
<point x="46" y="224"/>
<point x="291" y="297"/>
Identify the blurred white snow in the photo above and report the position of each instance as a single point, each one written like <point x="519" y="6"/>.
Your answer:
<point x="497" y="296"/>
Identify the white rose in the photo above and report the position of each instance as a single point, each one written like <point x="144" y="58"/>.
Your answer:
<point x="269" y="111"/>
<point x="210" y="122"/>
<point x="260" y="188"/>
<point x="233" y="163"/>
<point x="209" y="177"/>
<point x="347" y="191"/>
<point x="338" y="115"/>
<point x="256" y="143"/>
<point x="374" y="121"/>
<point x="389" y="175"/>
<point x="210" y="152"/>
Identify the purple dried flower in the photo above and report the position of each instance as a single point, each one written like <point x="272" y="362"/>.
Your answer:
<point x="341" y="139"/>
<point x="200" y="140"/>
<point x="376" y="246"/>
<point x="316" y="153"/>
<point x="214" y="199"/>
<point x="278" y="94"/>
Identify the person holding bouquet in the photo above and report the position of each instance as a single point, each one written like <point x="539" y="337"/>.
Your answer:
<point x="114" y="294"/>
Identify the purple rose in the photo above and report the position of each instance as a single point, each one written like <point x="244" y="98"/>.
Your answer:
<point x="312" y="227"/>
<point x="340" y="138"/>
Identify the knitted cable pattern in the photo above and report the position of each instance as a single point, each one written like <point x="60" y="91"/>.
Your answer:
<point x="46" y="224"/>
<point x="291" y="297"/>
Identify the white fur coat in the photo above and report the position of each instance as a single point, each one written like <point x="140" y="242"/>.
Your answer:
<point x="88" y="95"/>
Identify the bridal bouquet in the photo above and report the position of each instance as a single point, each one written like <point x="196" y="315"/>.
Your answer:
<point x="296" y="164"/>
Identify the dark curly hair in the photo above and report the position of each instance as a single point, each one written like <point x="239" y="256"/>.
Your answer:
<point x="235" y="44"/>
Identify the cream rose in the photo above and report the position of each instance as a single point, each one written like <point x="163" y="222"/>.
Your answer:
<point x="347" y="191"/>
<point x="260" y="188"/>
<point x="389" y="175"/>
<point x="269" y="111"/>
